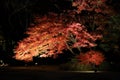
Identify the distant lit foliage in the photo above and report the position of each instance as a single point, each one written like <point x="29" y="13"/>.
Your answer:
<point x="98" y="6"/>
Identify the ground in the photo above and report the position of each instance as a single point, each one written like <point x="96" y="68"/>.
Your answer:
<point x="53" y="73"/>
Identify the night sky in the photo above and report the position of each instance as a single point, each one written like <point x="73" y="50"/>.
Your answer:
<point x="16" y="16"/>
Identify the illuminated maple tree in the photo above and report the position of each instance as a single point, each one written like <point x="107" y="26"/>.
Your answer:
<point x="47" y="39"/>
<point x="50" y="35"/>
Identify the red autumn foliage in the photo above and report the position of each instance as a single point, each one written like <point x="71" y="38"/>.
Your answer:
<point x="82" y="37"/>
<point x="91" y="57"/>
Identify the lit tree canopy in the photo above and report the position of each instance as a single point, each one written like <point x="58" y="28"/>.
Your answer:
<point x="47" y="39"/>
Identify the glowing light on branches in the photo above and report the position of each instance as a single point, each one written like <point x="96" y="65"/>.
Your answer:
<point x="44" y="40"/>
